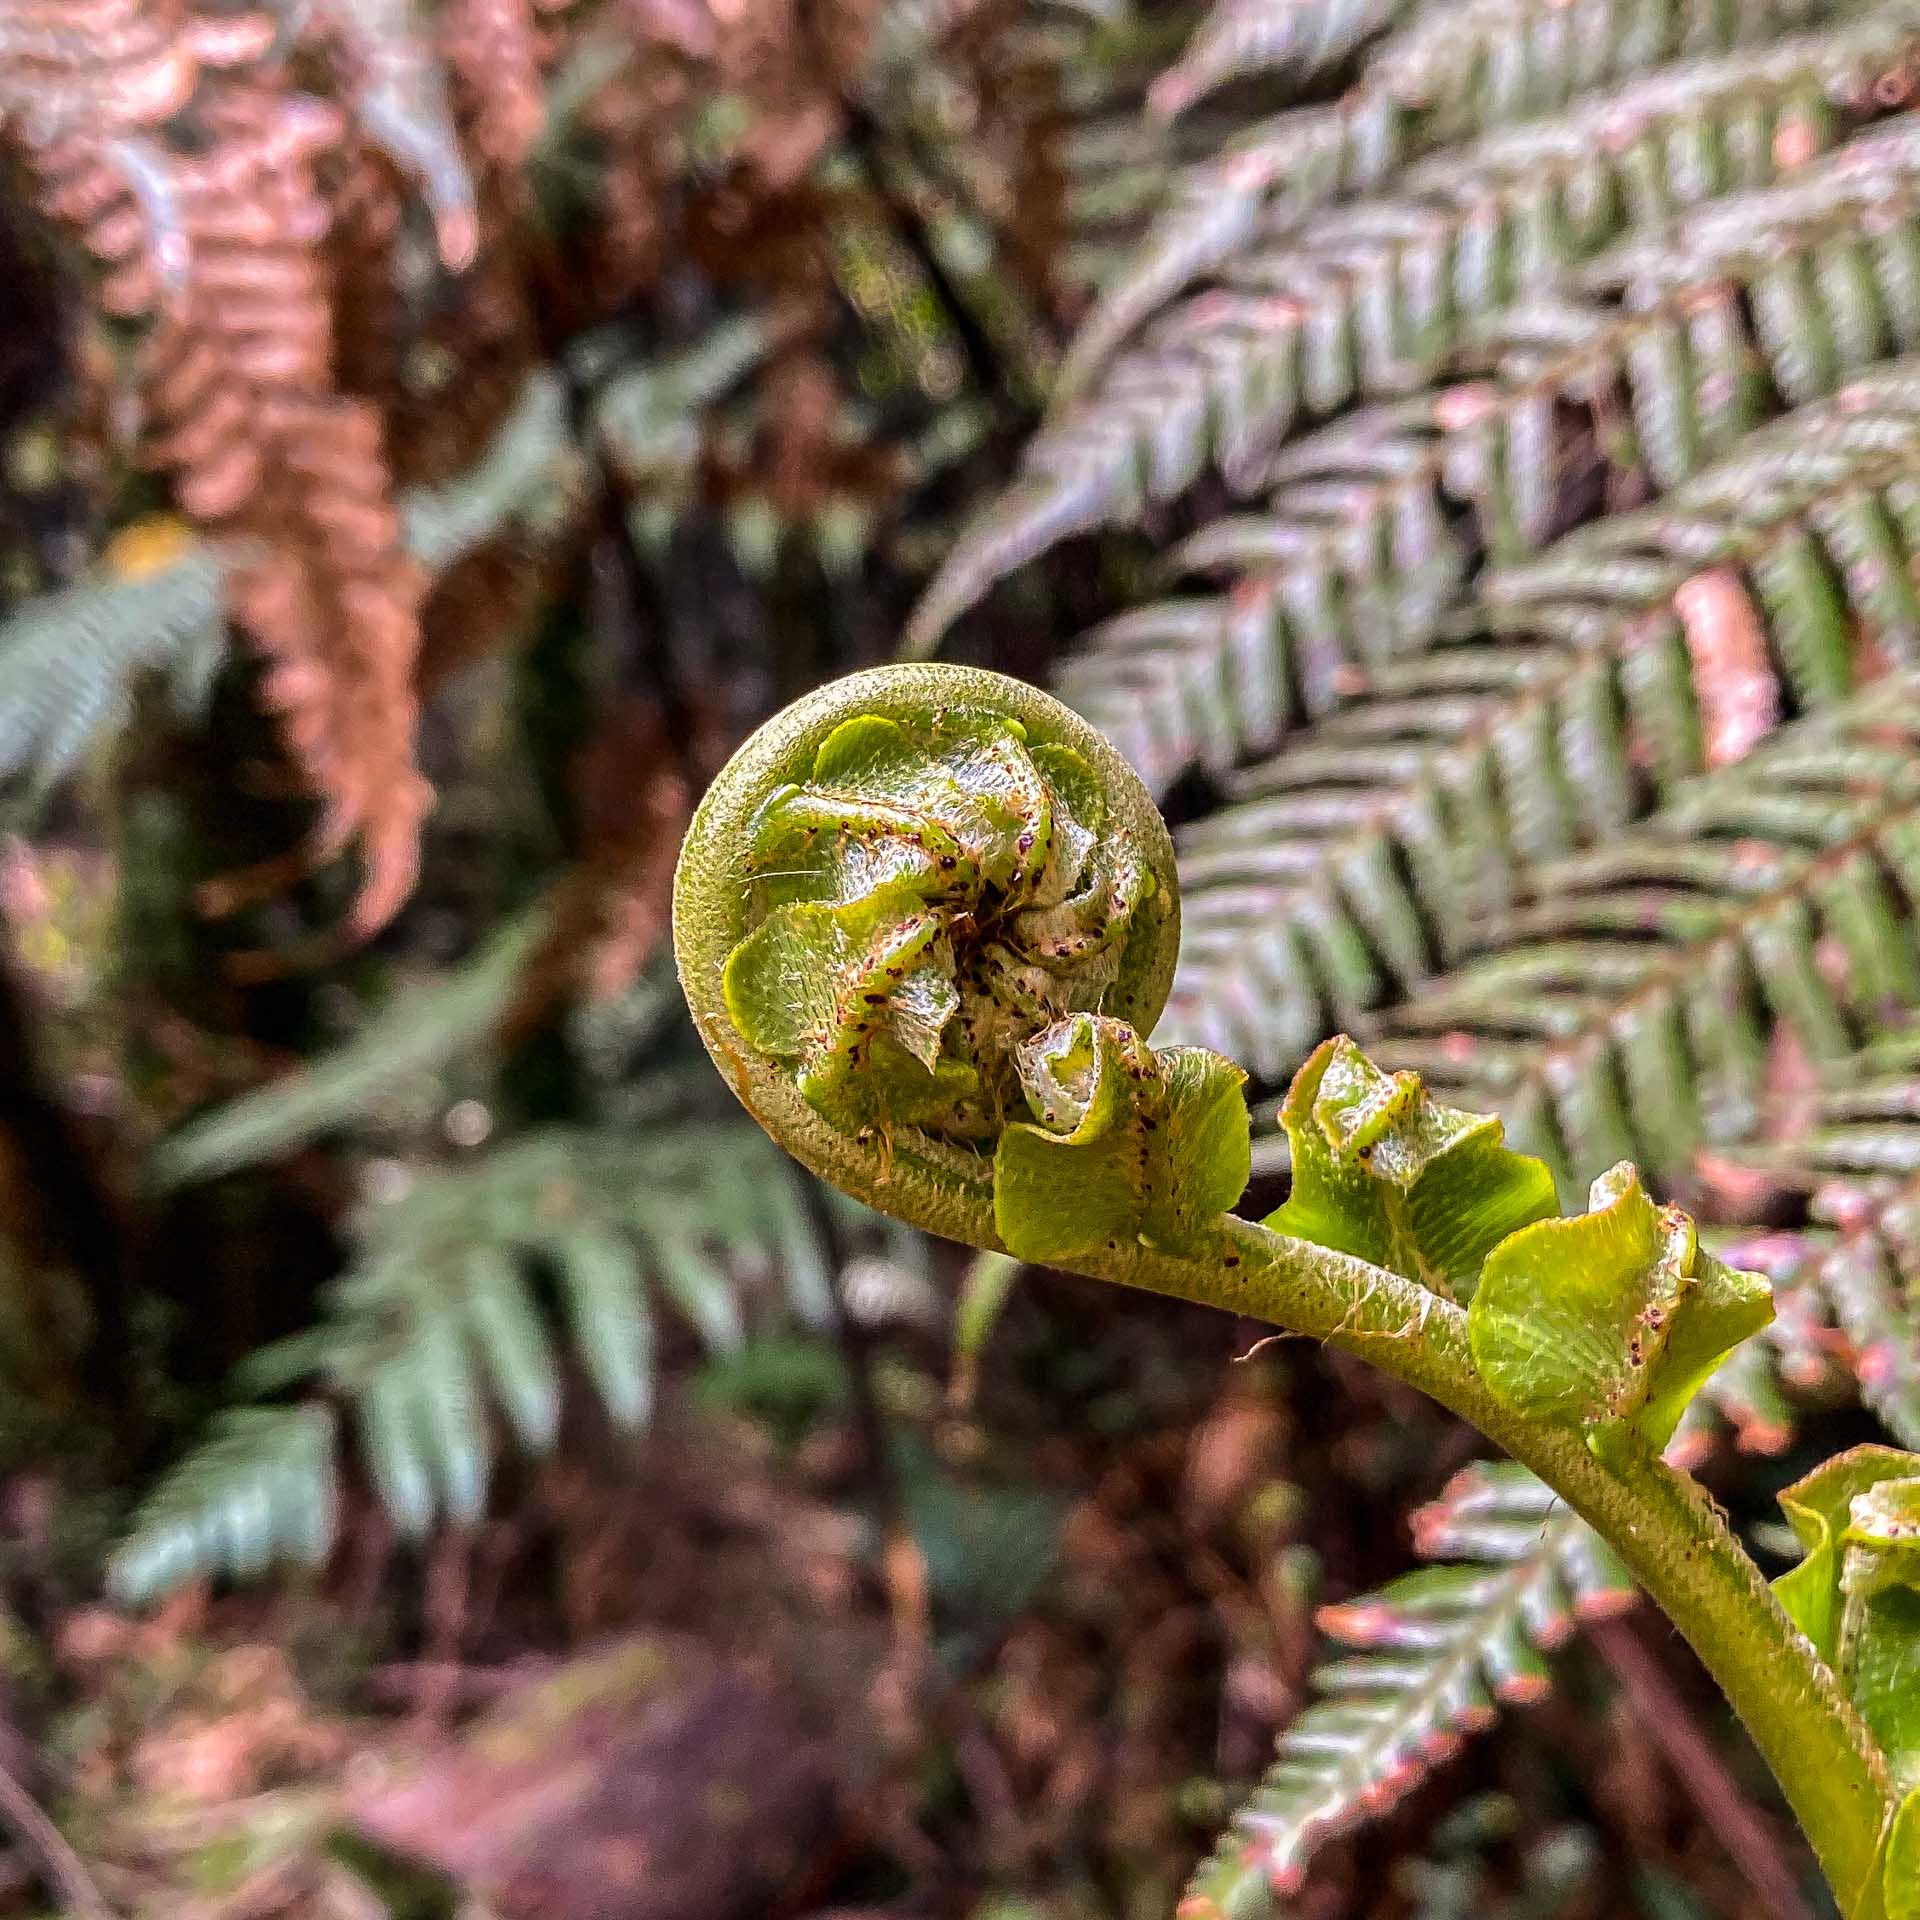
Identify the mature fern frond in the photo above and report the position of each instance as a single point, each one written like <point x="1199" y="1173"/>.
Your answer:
<point x="1854" y="1149"/>
<point x="1352" y="563"/>
<point x="1378" y="518"/>
<point x="1637" y="650"/>
<point x="1373" y="297"/>
<point x="1872" y="1279"/>
<point x="69" y="660"/>
<point x="1441" y="1651"/>
<point x="1449" y="73"/>
<point x="1624" y="1011"/>
<point x="435" y="1332"/>
<point x="1757" y="1396"/>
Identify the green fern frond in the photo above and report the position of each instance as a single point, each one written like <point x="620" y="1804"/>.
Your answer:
<point x="414" y="1033"/>
<point x="1440" y="1652"/>
<point x="1450" y="73"/>
<point x="436" y="1334"/>
<point x="69" y="661"/>
<point x="1357" y="555"/>
<point x="1352" y="563"/>
<point x="524" y="477"/>
<point x="1635" y="651"/>
<point x="398" y="91"/>
<point x="1699" y="327"/>
<point x="1759" y="1391"/>
<point x="1872" y="1280"/>
<point x="1624" y="1011"/>
<point x="261" y="1490"/>
<point x="1854" y="1148"/>
<point x="1373" y="297"/>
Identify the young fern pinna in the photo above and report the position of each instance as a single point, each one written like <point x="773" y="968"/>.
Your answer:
<point x="926" y="919"/>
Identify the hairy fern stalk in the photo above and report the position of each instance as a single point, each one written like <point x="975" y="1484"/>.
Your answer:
<point x="1530" y="381"/>
<point x="925" y="920"/>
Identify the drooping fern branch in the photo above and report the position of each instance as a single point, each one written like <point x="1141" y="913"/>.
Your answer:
<point x="415" y="1032"/>
<point x="1372" y="298"/>
<point x="435" y="1336"/>
<point x="1637" y="372"/>
<point x="1439" y="1653"/>
<point x="1446" y="74"/>
<point x="1631" y="655"/>
<point x="925" y="898"/>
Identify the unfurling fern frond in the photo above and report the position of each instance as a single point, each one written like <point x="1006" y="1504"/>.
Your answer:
<point x="1637" y="651"/>
<point x="1624" y="1010"/>
<point x="1440" y="1652"/>
<point x="1449" y="73"/>
<point x="1756" y="1399"/>
<point x="435" y="1334"/>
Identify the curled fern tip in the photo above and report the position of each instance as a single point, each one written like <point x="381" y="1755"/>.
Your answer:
<point x="895" y="902"/>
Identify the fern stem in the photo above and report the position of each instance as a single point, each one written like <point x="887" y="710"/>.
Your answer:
<point x="1665" y="1528"/>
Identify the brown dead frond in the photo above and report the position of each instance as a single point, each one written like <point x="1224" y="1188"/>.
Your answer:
<point x="170" y="145"/>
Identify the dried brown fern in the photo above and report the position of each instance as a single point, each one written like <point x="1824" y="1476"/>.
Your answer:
<point x="165" y="143"/>
<point x="261" y="445"/>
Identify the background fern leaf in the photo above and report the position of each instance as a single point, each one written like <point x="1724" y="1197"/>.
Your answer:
<point x="1441" y="1650"/>
<point x="69" y="661"/>
<point x="1378" y="521"/>
<point x="1373" y="852"/>
<point x="260" y="1490"/>
<point x="1853" y="1150"/>
<point x="435" y="1334"/>
<point x="1367" y="298"/>
<point x="1448" y="73"/>
<point x="414" y="1033"/>
<point x="1238" y="39"/>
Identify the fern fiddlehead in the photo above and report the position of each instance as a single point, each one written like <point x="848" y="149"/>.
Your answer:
<point x="925" y="920"/>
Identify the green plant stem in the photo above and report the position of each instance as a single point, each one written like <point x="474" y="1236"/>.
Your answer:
<point x="1664" y="1526"/>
